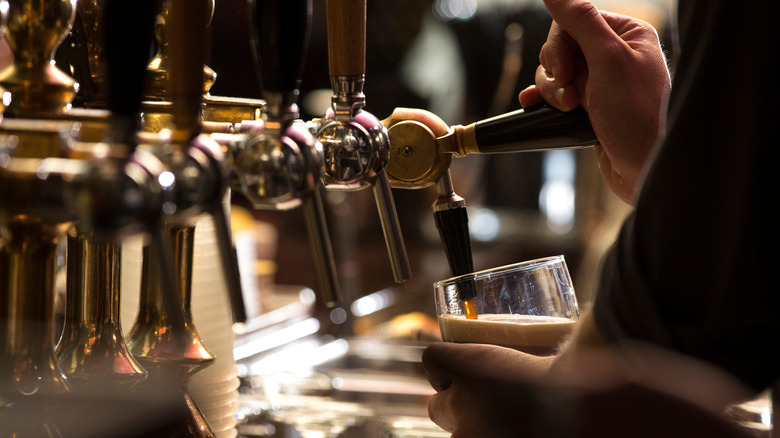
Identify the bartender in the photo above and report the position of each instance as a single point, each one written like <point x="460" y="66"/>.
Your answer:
<point x="686" y="319"/>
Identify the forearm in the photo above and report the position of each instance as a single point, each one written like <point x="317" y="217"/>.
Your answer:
<point x="587" y="361"/>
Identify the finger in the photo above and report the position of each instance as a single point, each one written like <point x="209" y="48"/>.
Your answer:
<point x="437" y="373"/>
<point x="440" y="412"/>
<point x="562" y="97"/>
<point x="482" y="361"/>
<point x="557" y="54"/>
<point x="529" y="97"/>
<point x="583" y="21"/>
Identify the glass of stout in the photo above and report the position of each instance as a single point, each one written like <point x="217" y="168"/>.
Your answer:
<point x="529" y="306"/>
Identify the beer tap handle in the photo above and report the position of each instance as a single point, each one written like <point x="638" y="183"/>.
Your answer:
<point x="187" y="35"/>
<point x="391" y="227"/>
<point x="128" y="33"/>
<point x="425" y="145"/>
<point x="317" y="228"/>
<point x="346" y="22"/>
<point x="280" y="37"/>
<point x="187" y="42"/>
<point x="533" y="129"/>
<point x="346" y="37"/>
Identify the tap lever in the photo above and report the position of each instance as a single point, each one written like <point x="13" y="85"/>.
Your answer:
<point x="539" y="128"/>
<point x="391" y="227"/>
<point x="280" y="38"/>
<point x="330" y="291"/>
<point x="356" y="142"/>
<point x="229" y="259"/>
<point x="424" y="145"/>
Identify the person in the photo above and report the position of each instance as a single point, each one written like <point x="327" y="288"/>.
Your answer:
<point x="686" y="316"/>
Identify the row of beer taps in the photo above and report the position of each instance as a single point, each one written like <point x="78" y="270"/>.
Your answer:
<point x="149" y="151"/>
<point x="138" y="157"/>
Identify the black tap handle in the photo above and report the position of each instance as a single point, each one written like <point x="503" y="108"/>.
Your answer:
<point x="539" y="128"/>
<point x="453" y="225"/>
<point x="280" y="38"/>
<point x="128" y="30"/>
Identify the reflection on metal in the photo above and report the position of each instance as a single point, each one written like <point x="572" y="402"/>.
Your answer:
<point x="35" y="30"/>
<point x="92" y="352"/>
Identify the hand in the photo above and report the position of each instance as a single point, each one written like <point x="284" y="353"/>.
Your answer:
<point x="614" y="67"/>
<point x="482" y="389"/>
<point x="490" y="391"/>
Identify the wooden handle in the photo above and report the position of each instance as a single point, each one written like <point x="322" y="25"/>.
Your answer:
<point x="347" y="37"/>
<point x="187" y="43"/>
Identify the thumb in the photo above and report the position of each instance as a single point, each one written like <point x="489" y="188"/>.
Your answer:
<point x="583" y="22"/>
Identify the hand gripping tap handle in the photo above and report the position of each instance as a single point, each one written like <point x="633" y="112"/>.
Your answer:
<point x="188" y="20"/>
<point x="538" y="128"/>
<point x="346" y="22"/>
<point x="280" y="38"/>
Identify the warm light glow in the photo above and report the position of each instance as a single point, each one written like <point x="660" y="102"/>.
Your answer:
<point x="372" y="303"/>
<point x="485" y="225"/>
<point x="455" y="9"/>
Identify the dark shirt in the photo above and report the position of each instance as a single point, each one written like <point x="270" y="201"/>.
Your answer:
<point x="695" y="267"/>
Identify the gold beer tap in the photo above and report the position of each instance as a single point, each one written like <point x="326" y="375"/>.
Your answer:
<point x="220" y="113"/>
<point x="172" y="350"/>
<point x="35" y="213"/>
<point x="355" y="143"/>
<point x="35" y="29"/>
<point x="37" y="88"/>
<point x="424" y="146"/>
<point x="92" y="351"/>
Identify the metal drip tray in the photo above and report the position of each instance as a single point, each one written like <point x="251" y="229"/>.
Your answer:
<point x="377" y="387"/>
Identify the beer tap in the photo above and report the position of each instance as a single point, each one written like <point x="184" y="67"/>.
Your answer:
<point x="196" y="163"/>
<point x="424" y="146"/>
<point x="280" y="166"/>
<point x="92" y="351"/>
<point x="356" y="144"/>
<point x="36" y="208"/>
<point x="37" y="86"/>
<point x="220" y="113"/>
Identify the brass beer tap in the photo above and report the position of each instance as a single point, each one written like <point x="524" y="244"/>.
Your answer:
<point x="35" y="29"/>
<point x="424" y="146"/>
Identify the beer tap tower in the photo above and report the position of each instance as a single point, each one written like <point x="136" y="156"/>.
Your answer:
<point x="280" y="166"/>
<point x="356" y="144"/>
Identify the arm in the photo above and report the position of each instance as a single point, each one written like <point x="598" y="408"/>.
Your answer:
<point x="485" y="390"/>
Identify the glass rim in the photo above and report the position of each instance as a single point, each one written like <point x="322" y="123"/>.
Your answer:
<point x="500" y="270"/>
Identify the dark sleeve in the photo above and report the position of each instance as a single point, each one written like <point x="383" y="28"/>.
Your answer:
<point x="695" y="266"/>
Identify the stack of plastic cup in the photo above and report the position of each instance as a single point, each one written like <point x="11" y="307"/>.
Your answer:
<point x="215" y="389"/>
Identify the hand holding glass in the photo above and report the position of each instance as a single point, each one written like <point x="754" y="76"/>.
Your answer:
<point x="529" y="306"/>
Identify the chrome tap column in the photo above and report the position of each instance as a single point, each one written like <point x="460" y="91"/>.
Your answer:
<point x="280" y="165"/>
<point x="355" y="142"/>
